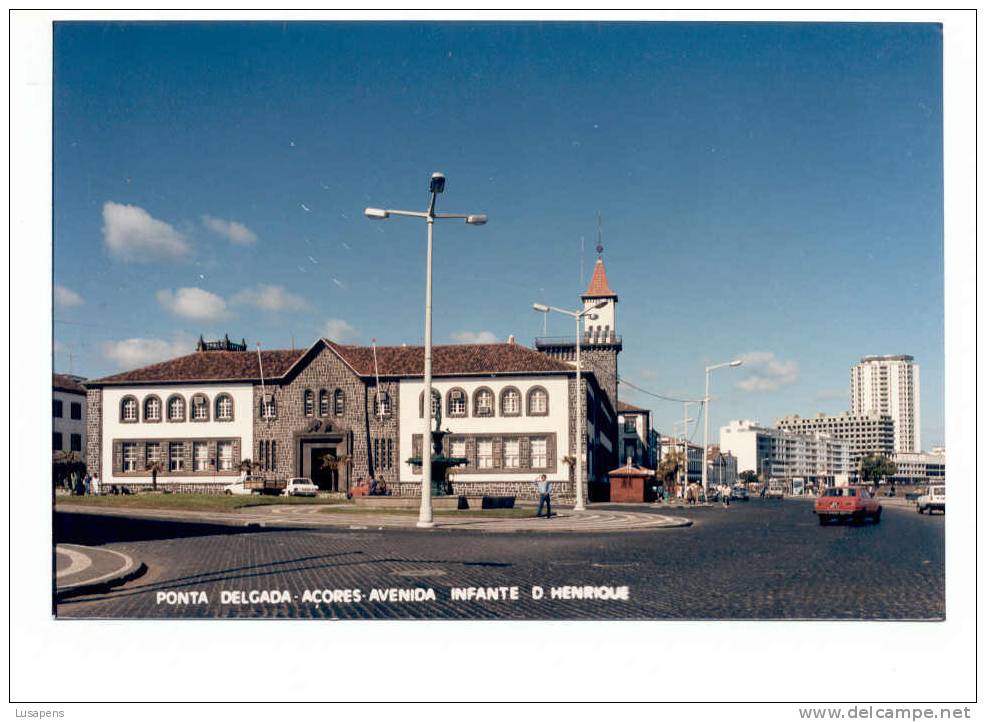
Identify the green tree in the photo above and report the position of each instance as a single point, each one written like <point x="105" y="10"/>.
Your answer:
<point x="670" y="467"/>
<point x="875" y="468"/>
<point x="749" y="477"/>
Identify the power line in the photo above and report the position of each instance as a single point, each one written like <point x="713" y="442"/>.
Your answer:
<point x="663" y="397"/>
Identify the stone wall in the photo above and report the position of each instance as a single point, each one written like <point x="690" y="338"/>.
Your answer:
<point x="94" y="431"/>
<point x="357" y="423"/>
<point x="602" y="360"/>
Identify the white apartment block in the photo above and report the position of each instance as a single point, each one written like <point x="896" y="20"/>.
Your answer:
<point x="776" y="454"/>
<point x="921" y="468"/>
<point x="890" y="385"/>
<point x="866" y="433"/>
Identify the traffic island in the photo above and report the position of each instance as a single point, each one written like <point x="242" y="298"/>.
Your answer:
<point x="83" y="569"/>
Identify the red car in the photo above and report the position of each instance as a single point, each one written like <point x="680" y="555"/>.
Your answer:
<point x="847" y="502"/>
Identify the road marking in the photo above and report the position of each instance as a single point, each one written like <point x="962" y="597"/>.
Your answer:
<point x="78" y="562"/>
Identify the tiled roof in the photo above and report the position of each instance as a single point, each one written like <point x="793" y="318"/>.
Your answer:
<point x="61" y="382"/>
<point x="599" y="285"/>
<point x="494" y="358"/>
<point x="624" y="406"/>
<point x="486" y="358"/>
<point x="210" y="366"/>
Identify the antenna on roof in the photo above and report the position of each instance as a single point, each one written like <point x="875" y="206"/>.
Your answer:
<point x="599" y="234"/>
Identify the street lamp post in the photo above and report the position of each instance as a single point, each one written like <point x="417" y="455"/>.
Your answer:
<point x="705" y="436"/>
<point x="579" y="421"/>
<point x="425" y="516"/>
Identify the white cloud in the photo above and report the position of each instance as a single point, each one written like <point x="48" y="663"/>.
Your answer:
<point x="66" y="297"/>
<point x="131" y="234"/>
<point x="137" y="352"/>
<point x="269" y="298"/>
<point x="765" y="372"/>
<point x="236" y="232"/>
<point x="193" y="303"/>
<point x="336" y="329"/>
<point x="475" y="337"/>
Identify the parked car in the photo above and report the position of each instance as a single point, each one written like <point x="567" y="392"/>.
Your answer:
<point x="775" y="490"/>
<point x="237" y="487"/>
<point x="842" y="503"/>
<point x="740" y="493"/>
<point x="300" y="486"/>
<point x="934" y="500"/>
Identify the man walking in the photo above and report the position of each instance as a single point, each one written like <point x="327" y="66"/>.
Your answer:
<point x="544" y="494"/>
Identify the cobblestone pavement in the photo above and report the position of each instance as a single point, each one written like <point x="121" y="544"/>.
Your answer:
<point x="756" y="560"/>
<point x="596" y="519"/>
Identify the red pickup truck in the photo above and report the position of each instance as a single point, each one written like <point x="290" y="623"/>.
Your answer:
<point x="847" y="502"/>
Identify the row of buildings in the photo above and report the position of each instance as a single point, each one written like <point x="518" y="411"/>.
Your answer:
<point x="338" y="413"/>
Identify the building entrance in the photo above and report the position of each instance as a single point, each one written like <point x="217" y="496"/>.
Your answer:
<point x="321" y="458"/>
<point x="325" y="474"/>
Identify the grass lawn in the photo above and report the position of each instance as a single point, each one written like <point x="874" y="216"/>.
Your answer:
<point x="516" y="513"/>
<point x="188" y="502"/>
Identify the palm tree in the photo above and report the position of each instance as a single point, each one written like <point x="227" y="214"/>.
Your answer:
<point x="248" y="466"/>
<point x="570" y="462"/>
<point x="155" y="467"/>
<point x="334" y="463"/>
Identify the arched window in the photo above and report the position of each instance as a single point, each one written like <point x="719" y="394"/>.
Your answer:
<point x="457" y="403"/>
<point x="323" y="403"/>
<point x="268" y="408"/>
<point x="510" y="402"/>
<point x="309" y="402"/>
<point x="176" y="408"/>
<point x="483" y="401"/>
<point x="224" y="407"/>
<point x="200" y="407"/>
<point x="128" y="410"/>
<point x="382" y="404"/>
<point x="537" y="401"/>
<point x="339" y="403"/>
<point x="436" y="403"/>
<point x="152" y="409"/>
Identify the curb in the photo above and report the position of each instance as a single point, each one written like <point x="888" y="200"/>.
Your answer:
<point x="130" y="569"/>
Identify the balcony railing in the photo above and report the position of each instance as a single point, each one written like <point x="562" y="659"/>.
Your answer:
<point x="611" y="339"/>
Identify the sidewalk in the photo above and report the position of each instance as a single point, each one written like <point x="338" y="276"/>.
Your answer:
<point x="83" y="569"/>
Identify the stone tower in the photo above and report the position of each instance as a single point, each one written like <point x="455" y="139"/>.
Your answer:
<point x="600" y="343"/>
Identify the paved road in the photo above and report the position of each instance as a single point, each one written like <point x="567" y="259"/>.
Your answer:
<point x="756" y="560"/>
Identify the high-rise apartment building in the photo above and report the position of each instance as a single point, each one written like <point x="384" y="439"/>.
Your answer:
<point x="866" y="433"/>
<point x="890" y="385"/>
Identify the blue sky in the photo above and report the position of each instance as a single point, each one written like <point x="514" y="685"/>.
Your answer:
<point x="772" y="191"/>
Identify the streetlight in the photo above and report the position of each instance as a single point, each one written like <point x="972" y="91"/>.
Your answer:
<point x="580" y="422"/>
<point x="425" y="517"/>
<point x="705" y="436"/>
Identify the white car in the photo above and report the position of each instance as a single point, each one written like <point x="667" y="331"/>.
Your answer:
<point x="300" y="486"/>
<point x="934" y="500"/>
<point x="237" y="487"/>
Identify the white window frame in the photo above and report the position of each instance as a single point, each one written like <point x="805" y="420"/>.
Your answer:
<point x="539" y="459"/>
<point x="129" y="460"/>
<point x="542" y="395"/>
<point x="224" y="455"/>
<point x="511" y="402"/>
<point x="176" y="457"/>
<point x="196" y="458"/>
<point x="224" y="408"/>
<point x="153" y="404"/>
<point x="511" y="453"/>
<point x="129" y="409"/>
<point x="484" y="461"/>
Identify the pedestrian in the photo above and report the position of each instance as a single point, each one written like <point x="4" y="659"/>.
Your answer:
<point x="96" y="486"/>
<point x="87" y="484"/>
<point x="727" y="494"/>
<point x="544" y="494"/>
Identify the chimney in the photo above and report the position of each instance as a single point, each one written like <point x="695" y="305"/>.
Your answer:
<point x="511" y="339"/>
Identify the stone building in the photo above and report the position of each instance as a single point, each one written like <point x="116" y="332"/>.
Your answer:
<point x="338" y="413"/>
